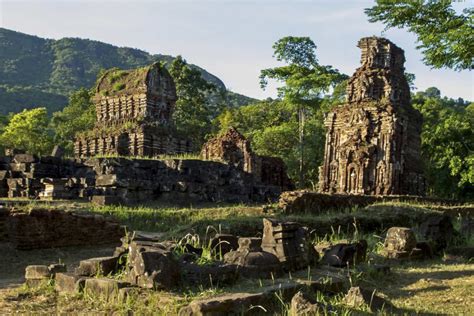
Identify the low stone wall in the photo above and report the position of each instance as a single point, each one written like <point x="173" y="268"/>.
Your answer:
<point x="43" y="228"/>
<point x="314" y="202"/>
<point x="29" y="176"/>
<point x="122" y="180"/>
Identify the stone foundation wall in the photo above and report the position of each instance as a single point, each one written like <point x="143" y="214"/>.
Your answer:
<point x="313" y="202"/>
<point x="42" y="228"/>
<point x="29" y="176"/>
<point x="122" y="181"/>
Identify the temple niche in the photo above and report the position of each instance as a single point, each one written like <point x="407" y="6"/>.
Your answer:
<point x="373" y="140"/>
<point x="133" y="109"/>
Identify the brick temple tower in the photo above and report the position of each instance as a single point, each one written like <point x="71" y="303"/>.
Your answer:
<point x="133" y="109"/>
<point x="373" y="140"/>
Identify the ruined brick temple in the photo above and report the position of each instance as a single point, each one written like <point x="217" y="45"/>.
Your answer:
<point x="233" y="148"/>
<point x="373" y="140"/>
<point x="134" y="109"/>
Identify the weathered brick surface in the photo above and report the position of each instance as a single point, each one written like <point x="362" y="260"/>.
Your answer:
<point x="104" y="288"/>
<point x="234" y="149"/>
<point x="373" y="141"/>
<point x="120" y="181"/>
<point x="135" y="120"/>
<point x="314" y="202"/>
<point x="42" y="228"/>
<point x="96" y="266"/>
<point x="69" y="283"/>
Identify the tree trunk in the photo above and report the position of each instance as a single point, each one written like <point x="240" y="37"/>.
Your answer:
<point x="301" y="121"/>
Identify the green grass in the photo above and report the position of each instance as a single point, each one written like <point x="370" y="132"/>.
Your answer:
<point x="119" y="86"/>
<point x="412" y="286"/>
<point x="246" y="220"/>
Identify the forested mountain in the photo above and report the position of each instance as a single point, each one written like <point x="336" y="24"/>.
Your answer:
<point x="43" y="72"/>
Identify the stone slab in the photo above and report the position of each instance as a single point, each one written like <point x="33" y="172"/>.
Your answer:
<point x="97" y="266"/>
<point x="104" y="287"/>
<point x="69" y="283"/>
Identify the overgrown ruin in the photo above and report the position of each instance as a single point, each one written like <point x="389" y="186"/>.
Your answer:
<point x="373" y="140"/>
<point x="133" y="109"/>
<point x="234" y="149"/>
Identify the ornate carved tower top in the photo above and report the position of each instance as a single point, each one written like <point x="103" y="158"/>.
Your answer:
<point x="373" y="141"/>
<point x="381" y="76"/>
<point x="146" y="93"/>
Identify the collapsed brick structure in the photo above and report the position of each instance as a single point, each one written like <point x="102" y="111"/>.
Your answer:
<point x="133" y="109"/>
<point x="373" y="141"/>
<point x="233" y="148"/>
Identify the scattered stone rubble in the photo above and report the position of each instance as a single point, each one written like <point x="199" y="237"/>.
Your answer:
<point x="233" y="148"/>
<point x="36" y="274"/>
<point x="147" y="263"/>
<point x="252" y="261"/>
<point x="289" y="242"/>
<point x="358" y="297"/>
<point x="304" y="303"/>
<point x="344" y="254"/>
<point x="400" y="243"/>
<point x="155" y="264"/>
<point x="373" y="141"/>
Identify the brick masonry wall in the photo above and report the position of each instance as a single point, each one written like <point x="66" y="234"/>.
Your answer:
<point x="43" y="228"/>
<point x="121" y="180"/>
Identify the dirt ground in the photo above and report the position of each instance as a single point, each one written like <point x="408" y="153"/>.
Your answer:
<point x="13" y="262"/>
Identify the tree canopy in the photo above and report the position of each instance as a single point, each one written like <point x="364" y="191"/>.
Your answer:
<point x="77" y="116"/>
<point x="304" y="80"/>
<point x="29" y="130"/>
<point x="447" y="144"/>
<point x="445" y="37"/>
<point x="194" y="111"/>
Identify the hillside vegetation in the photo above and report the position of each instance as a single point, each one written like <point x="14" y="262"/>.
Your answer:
<point x="43" y="72"/>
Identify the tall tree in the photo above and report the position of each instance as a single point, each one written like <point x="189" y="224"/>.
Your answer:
<point x="445" y="37"/>
<point x="77" y="116"/>
<point x="29" y="130"/>
<point x="193" y="112"/>
<point x="304" y="81"/>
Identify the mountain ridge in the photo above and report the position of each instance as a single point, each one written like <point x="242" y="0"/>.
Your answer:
<point x="36" y="71"/>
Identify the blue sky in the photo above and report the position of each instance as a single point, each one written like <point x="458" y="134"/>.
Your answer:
<point x="230" y="38"/>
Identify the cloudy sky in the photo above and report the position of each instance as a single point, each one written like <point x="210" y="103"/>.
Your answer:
<point x="230" y="38"/>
